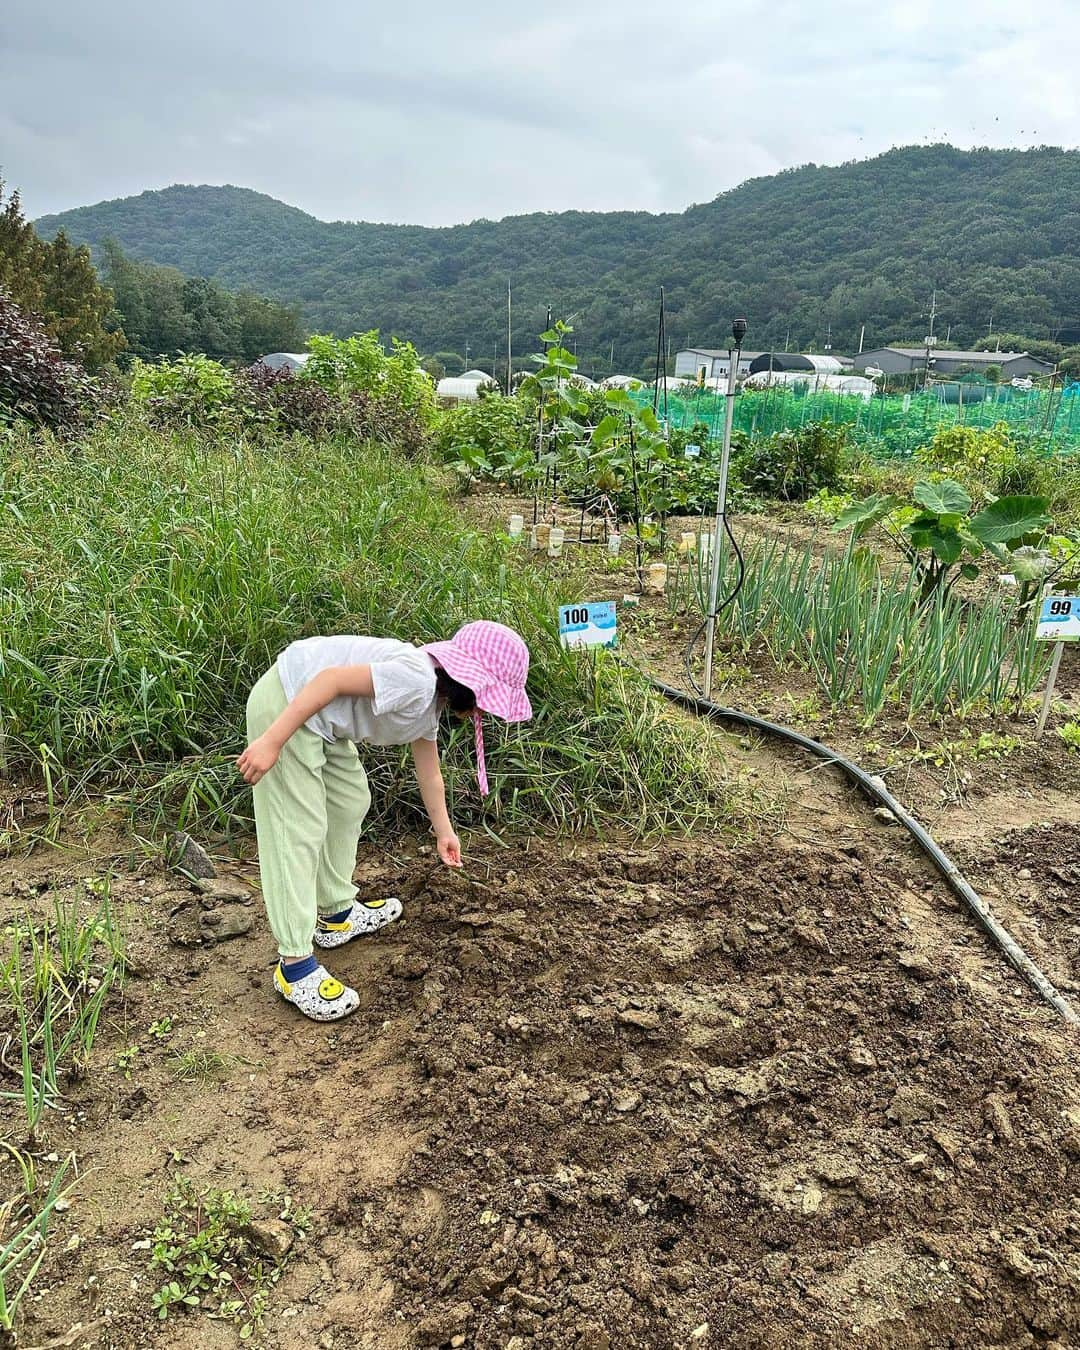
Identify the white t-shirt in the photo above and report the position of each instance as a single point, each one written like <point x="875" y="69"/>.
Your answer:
<point x="403" y="677"/>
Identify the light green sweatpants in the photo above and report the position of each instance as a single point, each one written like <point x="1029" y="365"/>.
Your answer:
<point x="309" y="810"/>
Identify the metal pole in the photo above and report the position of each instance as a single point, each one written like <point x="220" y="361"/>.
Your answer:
<point x="1048" y="697"/>
<point x="509" y="343"/>
<point x="721" y="509"/>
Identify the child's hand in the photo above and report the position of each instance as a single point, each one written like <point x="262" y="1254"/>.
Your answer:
<point x="258" y="759"/>
<point x="450" y="849"/>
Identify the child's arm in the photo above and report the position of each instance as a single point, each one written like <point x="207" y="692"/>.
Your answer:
<point x="262" y="754"/>
<point x="429" y="776"/>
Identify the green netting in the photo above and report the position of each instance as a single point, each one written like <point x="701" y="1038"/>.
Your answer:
<point x="894" y="425"/>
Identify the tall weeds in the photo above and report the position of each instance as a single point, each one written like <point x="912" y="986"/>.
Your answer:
<point x="147" y="580"/>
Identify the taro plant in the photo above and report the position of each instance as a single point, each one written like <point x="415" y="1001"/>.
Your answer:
<point x="937" y="533"/>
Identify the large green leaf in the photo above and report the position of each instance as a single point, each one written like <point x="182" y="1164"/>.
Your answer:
<point x="1007" y="520"/>
<point x="1029" y="564"/>
<point x="606" y="429"/>
<point x="861" y="516"/>
<point x="947" y="544"/>
<point x="946" y="498"/>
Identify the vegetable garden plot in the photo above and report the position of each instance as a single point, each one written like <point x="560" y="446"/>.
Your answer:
<point x="894" y="425"/>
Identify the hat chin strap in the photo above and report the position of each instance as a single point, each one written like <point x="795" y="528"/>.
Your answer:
<point x="481" y="766"/>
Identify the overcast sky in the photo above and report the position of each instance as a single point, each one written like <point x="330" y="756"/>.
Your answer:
<point x="436" y="113"/>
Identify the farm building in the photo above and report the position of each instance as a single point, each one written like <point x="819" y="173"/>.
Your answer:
<point x="906" y="360"/>
<point x="464" y="388"/>
<point x="817" y="381"/>
<point x="283" y="360"/>
<point x="689" y="362"/>
<point x="795" y="361"/>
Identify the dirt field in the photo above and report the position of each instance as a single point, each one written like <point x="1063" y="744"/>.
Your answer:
<point x="775" y="1092"/>
<point x="606" y="1096"/>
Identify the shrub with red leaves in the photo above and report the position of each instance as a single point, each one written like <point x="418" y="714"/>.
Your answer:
<point x="36" y="382"/>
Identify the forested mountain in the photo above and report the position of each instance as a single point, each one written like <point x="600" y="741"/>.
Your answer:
<point x="863" y="243"/>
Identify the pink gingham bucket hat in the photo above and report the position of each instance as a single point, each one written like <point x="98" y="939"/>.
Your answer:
<point x="493" y="661"/>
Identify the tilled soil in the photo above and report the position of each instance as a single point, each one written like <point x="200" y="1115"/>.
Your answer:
<point x="691" y="1096"/>
<point x="1033" y="874"/>
<point x="599" y="1096"/>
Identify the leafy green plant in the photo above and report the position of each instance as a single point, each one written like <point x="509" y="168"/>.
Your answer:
<point x="826" y="506"/>
<point x="124" y="1060"/>
<point x="491" y="438"/>
<point x="208" y="1249"/>
<point x="192" y="391"/>
<point x="1070" y="734"/>
<point x="972" y="450"/>
<point x="394" y="381"/>
<point x="792" y="465"/>
<point x="938" y="532"/>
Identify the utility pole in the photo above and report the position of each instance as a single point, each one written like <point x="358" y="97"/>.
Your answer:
<point x="990" y="330"/>
<point x="509" y="341"/>
<point x="862" y="334"/>
<point x="930" y="339"/>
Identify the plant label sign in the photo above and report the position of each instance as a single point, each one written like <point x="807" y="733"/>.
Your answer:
<point x="1059" y="619"/>
<point x="692" y="452"/>
<point x="587" y="625"/>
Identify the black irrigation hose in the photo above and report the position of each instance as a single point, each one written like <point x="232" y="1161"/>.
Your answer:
<point x="1014" y="953"/>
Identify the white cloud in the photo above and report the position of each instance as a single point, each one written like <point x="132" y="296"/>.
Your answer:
<point x="414" y="112"/>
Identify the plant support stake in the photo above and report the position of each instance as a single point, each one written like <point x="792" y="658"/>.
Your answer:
<point x="738" y="330"/>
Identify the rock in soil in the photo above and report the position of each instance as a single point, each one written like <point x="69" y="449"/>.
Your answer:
<point x="186" y="856"/>
<point x="272" y="1237"/>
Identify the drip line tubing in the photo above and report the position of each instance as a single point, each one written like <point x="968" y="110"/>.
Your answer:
<point x="874" y="788"/>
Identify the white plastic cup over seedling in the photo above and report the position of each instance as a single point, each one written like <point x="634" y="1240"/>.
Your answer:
<point x="538" y="536"/>
<point x="555" y="541"/>
<point x="630" y="599"/>
<point x="614" y="543"/>
<point x="687" y="542"/>
<point x="656" y="578"/>
<point x="517" y="524"/>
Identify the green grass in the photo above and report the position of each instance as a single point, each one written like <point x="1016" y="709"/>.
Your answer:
<point x="148" y="580"/>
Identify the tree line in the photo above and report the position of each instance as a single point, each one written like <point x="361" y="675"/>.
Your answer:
<point x="811" y="256"/>
<point x="131" y="308"/>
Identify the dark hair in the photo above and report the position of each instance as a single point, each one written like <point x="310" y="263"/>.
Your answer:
<point x="459" y="697"/>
